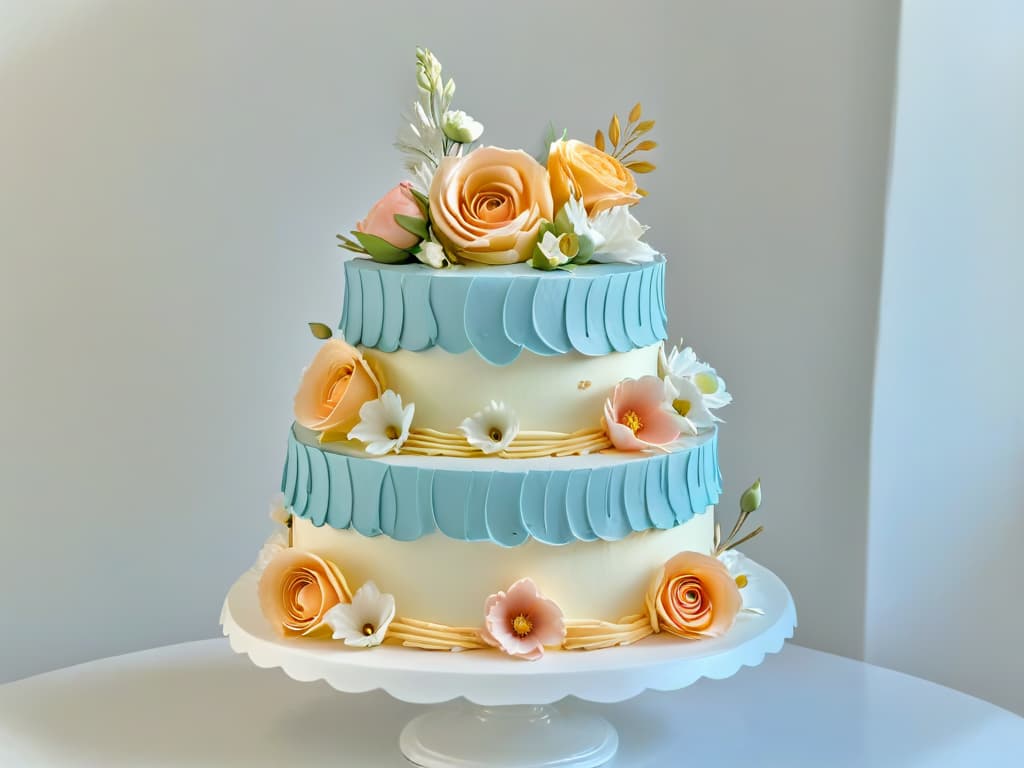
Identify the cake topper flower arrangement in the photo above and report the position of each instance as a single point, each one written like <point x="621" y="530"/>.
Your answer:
<point x="468" y="204"/>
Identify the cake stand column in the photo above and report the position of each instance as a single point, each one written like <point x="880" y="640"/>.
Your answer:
<point x="464" y="735"/>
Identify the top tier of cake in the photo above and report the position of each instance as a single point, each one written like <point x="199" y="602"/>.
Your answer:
<point x="501" y="311"/>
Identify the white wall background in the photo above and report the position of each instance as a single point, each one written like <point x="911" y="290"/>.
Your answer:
<point x="947" y="460"/>
<point x="171" y="179"/>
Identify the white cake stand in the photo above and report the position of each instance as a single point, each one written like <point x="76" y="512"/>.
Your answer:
<point x="506" y="720"/>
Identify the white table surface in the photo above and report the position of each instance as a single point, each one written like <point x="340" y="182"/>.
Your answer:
<point x="198" y="704"/>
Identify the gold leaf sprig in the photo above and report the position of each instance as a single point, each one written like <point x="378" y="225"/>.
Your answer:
<point x="624" y="145"/>
<point x="749" y="503"/>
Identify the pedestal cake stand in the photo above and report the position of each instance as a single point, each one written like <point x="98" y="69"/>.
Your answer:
<point x="507" y="720"/>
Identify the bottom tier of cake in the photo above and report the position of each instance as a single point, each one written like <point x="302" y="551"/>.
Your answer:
<point x="443" y="580"/>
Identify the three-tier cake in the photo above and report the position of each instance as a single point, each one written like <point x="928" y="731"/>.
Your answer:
<point x="494" y="450"/>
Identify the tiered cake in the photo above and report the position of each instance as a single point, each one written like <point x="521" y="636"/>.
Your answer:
<point x="494" y="450"/>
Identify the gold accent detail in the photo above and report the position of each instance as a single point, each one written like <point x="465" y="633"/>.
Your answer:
<point x="368" y="629"/>
<point x="527" y="444"/>
<point x="391" y="432"/>
<point x="522" y="625"/>
<point x="584" y="384"/>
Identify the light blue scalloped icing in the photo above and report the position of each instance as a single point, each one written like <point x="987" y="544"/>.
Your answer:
<point x="507" y="507"/>
<point x="500" y="311"/>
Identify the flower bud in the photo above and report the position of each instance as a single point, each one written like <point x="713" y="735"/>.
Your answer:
<point x="751" y="498"/>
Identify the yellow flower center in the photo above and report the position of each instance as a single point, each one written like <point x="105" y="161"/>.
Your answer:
<point x="742" y="581"/>
<point x="495" y="434"/>
<point x="368" y="629"/>
<point x="569" y="245"/>
<point x="522" y="625"/>
<point x="391" y="432"/>
<point x="632" y="420"/>
<point x="682" y="406"/>
<point x="707" y="383"/>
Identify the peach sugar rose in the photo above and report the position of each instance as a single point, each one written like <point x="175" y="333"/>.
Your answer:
<point x="334" y="387"/>
<point x="580" y="170"/>
<point x="297" y="588"/>
<point x="693" y="596"/>
<point x="486" y="207"/>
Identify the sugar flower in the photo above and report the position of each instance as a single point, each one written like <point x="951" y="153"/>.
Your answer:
<point x="334" y="387"/>
<point x="460" y="127"/>
<point x="576" y="168"/>
<point x="487" y="207"/>
<point x="521" y="622"/>
<point x="492" y="429"/>
<point x="689" y="402"/>
<point x="638" y="415"/>
<point x="276" y="542"/>
<point x="279" y="513"/>
<point x="364" y="622"/>
<point x="620" y="233"/>
<point x="432" y="254"/>
<point x="553" y="250"/>
<point x="693" y="596"/>
<point x="381" y="222"/>
<point x="682" y="364"/>
<point x="297" y="589"/>
<point x="383" y="424"/>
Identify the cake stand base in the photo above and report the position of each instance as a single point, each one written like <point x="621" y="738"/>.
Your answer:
<point x="468" y="736"/>
<point x="510" y="722"/>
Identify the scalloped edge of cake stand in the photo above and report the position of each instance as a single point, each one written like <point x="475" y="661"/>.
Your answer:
<point x="488" y="678"/>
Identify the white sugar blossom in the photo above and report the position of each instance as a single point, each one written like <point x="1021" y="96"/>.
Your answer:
<point x="682" y="365"/>
<point x="688" y="401"/>
<point x="279" y="513"/>
<point x="554" y="248"/>
<point x="492" y="429"/>
<point x="275" y="543"/>
<point x="460" y="127"/>
<point x="383" y="424"/>
<point x="432" y="254"/>
<point x="577" y="216"/>
<point x="739" y="568"/>
<point x="364" y="622"/>
<point x="421" y="140"/>
<point x="620" y="233"/>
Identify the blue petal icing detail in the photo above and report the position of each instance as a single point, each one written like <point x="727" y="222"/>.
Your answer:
<point x="504" y="514"/>
<point x="518" y="316"/>
<point x="658" y="509"/>
<point x="506" y="507"/>
<point x="394" y="311"/>
<point x="448" y="299"/>
<point x="373" y="309"/>
<point x="319" y="487"/>
<point x="549" y="313"/>
<point x="339" y="506"/>
<point x="499" y="311"/>
<point x="291" y="469"/>
<point x="421" y="331"/>
<point x="485" y="321"/>
<point x="614" y="321"/>
<point x="534" y="488"/>
<point x="367" y="477"/>
<point x="352" y="315"/>
<point x="556" y="522"/>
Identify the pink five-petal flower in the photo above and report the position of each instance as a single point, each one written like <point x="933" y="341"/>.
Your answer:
<point x="522" y="621"/>
<point x="637" y="416"/>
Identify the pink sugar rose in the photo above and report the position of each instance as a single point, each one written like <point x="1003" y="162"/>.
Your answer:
<point x="521" y="622"/>
<point x="380" y="221"/>
<point x="638" y="415"/>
